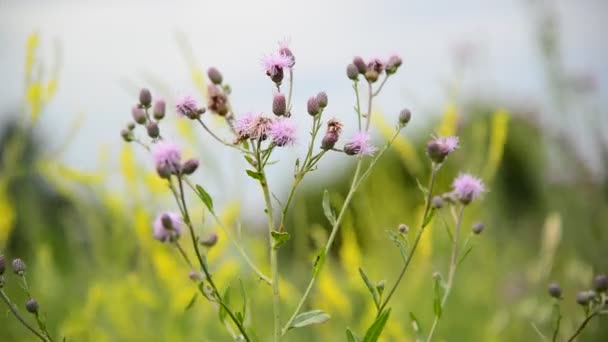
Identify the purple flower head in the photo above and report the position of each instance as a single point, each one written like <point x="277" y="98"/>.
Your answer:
<point x="244" y="125"/>
<point x="167" y="156"/>
<point x="468" y="188"/>
<point x="186" y="106"/>
<point x="360" y="144"/>
<point x="167" y="227"/>
<point x="274" y="64"/>
<point x="283" y="132"/>
<point x="285" y="50"/>
<point x="440" y="147"/>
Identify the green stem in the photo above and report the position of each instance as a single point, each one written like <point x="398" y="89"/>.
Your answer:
<point x="220" y="140"/>
<point x="451" y="272"/>
<point x="427" y="208"/>
<point x="581" y="327"/>
<point x="358" y="106"/>
<point x="290" y="91"/>
<point x="381" y="86"/>
<point x="368" y="119"/>
<point x="15" y="313"/>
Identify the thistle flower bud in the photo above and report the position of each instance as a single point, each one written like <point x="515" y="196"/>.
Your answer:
<point x="152" y="129"/>
<point x="371" y="75"/>
<point x="404" y="117"/>
<point x="478" y="228"/>
<point x="190" y="166"/>
<point x="600" y="283"/>
<point x="555" y="290"/>
<point x="138" y="115"/>
<point x="2" y="265"/>
<point x="437" y="202"/>
<point x="394" y="62"/>
<point x="312" y="106"/>
<point x="360" y="64"/>
<point x="215" y="75"/>
<point x="166" y="221"/>
<point x="277" y="77"/>
<point x="582" y="298"/>
<point x="195" y="276"/>
<point x="279" y="104"/>
<point x="18" y="266"/>
<point x="164" y="171"/>
<point x="131" y="126"/>
<point x="31" y="306"/>
<point x="403" y="228"/>
<point x="352" y="72"/>
<point x="210" y="241"/>
<point x="159" y="110"/>
<point x="322" y="99"/>
<point x="126" y="135"/>
<point x="145" y="97"/>
<point x="329" y="141"/>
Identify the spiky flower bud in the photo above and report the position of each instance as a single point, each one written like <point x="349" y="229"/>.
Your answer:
<point x="437" y="202"/>
<point x="312" y="106"/>
<point x="145" y="98"/>
<point x="138" y="115"/>
<point x="352" y="72"/>
<point x="322" y="99"/>
<point x="279" y="104"/>
<point x="2" y="265"/>
<point x="394" y="62"/>
<point x="126" y="135"/>
<point x="555" y="290"/>
<point x="478" y="228"/>
<point x="600" y="283"/>
<point x="190" y="166"/>
<point x="210" y="241"/>
<point x="152" y="129"/>
<point x="159" y="110"/>
<point x="18" y="266"/>
<point x="31" y="306"/>
<point x="404" y="117"/>
<point x="403" y="228"/>
<point x="360" y="64"/>
<point x="215" y="75"/>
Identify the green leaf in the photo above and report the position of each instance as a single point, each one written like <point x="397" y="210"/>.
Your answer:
<point x="279" y="238"/>
<point x="416" y="326"/>
<point x="255" y="175"/>
<point x="329" y="213"/>
<point x="375" y="330"/>
<point x="191" y="302"/>
<point x="370" y="286"/>
<point x="400" y="241"/>
<point x="438" y="294"/>
<point x="428" y="219"/>
<point x="351" y="336"/>
<point x="226" y="300"/>
<point x="319" y="261"/>
<point x="244" y="296"/>
<point x="205" y="197"/>
<point x="308" y="318"/>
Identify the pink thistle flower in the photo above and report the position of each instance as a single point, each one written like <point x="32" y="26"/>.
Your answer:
<point x="167" y="156"/>
<point x="283" y="132"/>
<point x="167" y="227"/>
<point x="360" y="144"/>
<point x="274" y="64"/>
<point x="285" y="50"/>
<point x="468" y="188"/>
<point x="186" y="106"/>
<point x="440" y="147"/>
<point x="244" y="125"/>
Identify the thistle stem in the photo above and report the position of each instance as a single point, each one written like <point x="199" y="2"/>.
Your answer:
<point x="581" y="327"/>
<point x="18" y="316"/>
<point x="220" y="140"/>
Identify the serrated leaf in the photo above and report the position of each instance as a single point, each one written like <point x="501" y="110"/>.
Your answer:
<point x="205" y="197"/>
<point x="309" y="318"/>
<point x="375" y="330"/>
<point x="279" y="238"/>
<point x="191" y="302"/>
<point x="319" y="261"/>
<point x="329" y="213"/>
<point x="351" y="336"/>
<point x="438" y="294"/>
<point x="255" y="175"/>
<point x="370" y="286"/>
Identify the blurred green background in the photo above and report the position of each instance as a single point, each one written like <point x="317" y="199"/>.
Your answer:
<point x="99" y="275"/>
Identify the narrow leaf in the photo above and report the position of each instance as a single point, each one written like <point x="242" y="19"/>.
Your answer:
<point x="374" y="332"/>
<point x="205" y="197"/>
<point x="191" y="302"/>
<point x="329" y="213"/>
<point x="255" y="175"/>
<point x="370" y="286"/>
<point x="308" y="318"/>
<point x="400" y="242"/>
<point x="226" y="300"/>
<point x="351" y="336"/>
<point x="416" y="325"/>
<point x="466" y="253"/>
<point x="438" y="294"/>
<point x="279" y="238"/>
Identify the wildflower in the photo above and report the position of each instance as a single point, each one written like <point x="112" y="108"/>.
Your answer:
<point x="468" y="188"/>
<point x="285" y="50"/>
<point x="190" y="166"/>
<point x="18" y="266"/>
<point x="215" y="76"/>
<point x="403" y="228"/>
<point x="167" y="156"/>
<point x="139" y="115"/>
<point x="253" y="126"/>
<point x="334" y="129"/>
<point x="374" y="69"/>
<point x="322" y="99"/>
<point x="159" y="109"/>
<point x="360" y="64"/>
<point x="217" y="101"/>
<point x="312" y="106"/>
<point x="145" y="98"/>
<point x="31" y="306"/>
<point x="167" y="227"/>
<point x="477" y="228"/>
<point x="555" y="290"/>
<point x="360" y="144"/>
<point x="283" y="132"/>
<point x="404" y="117"/>
<point x="279" y="104"/>
<point x="152" y="129"/>
<point x="437" y="202"/>
<point x="582" y="298"/>
<point x="274" y="64"/>
<point x="210" y="241"/>
<point x="394" y="62"/>
<point x="440" y="147"/>
<point x="195" y="276"/>
<point x="352" y="72"/>
<point x="600" y="283"/>
<point x="187" y="106"/>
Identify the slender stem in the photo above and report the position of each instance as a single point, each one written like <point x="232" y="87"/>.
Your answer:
<point x="220" y="140"/>
<point x="290" y="91"/>
<point x="41" y="324"/>
<point x="582" y="326"/>
<point x="203" y="263"/>
<point x="452" y="271"/>
<point x="358" y="106"/>
<point x="427" y="208"/>
<point x="369" y="106"/>
<point x="381" y="86"/>
<point x="377" y="157"/>
<point x="183" y="254"/>
<point x="558" y="321"/>
<point x="13" y="309"/>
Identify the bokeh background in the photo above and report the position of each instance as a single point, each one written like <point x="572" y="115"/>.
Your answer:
<point x="523" y="83"/>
